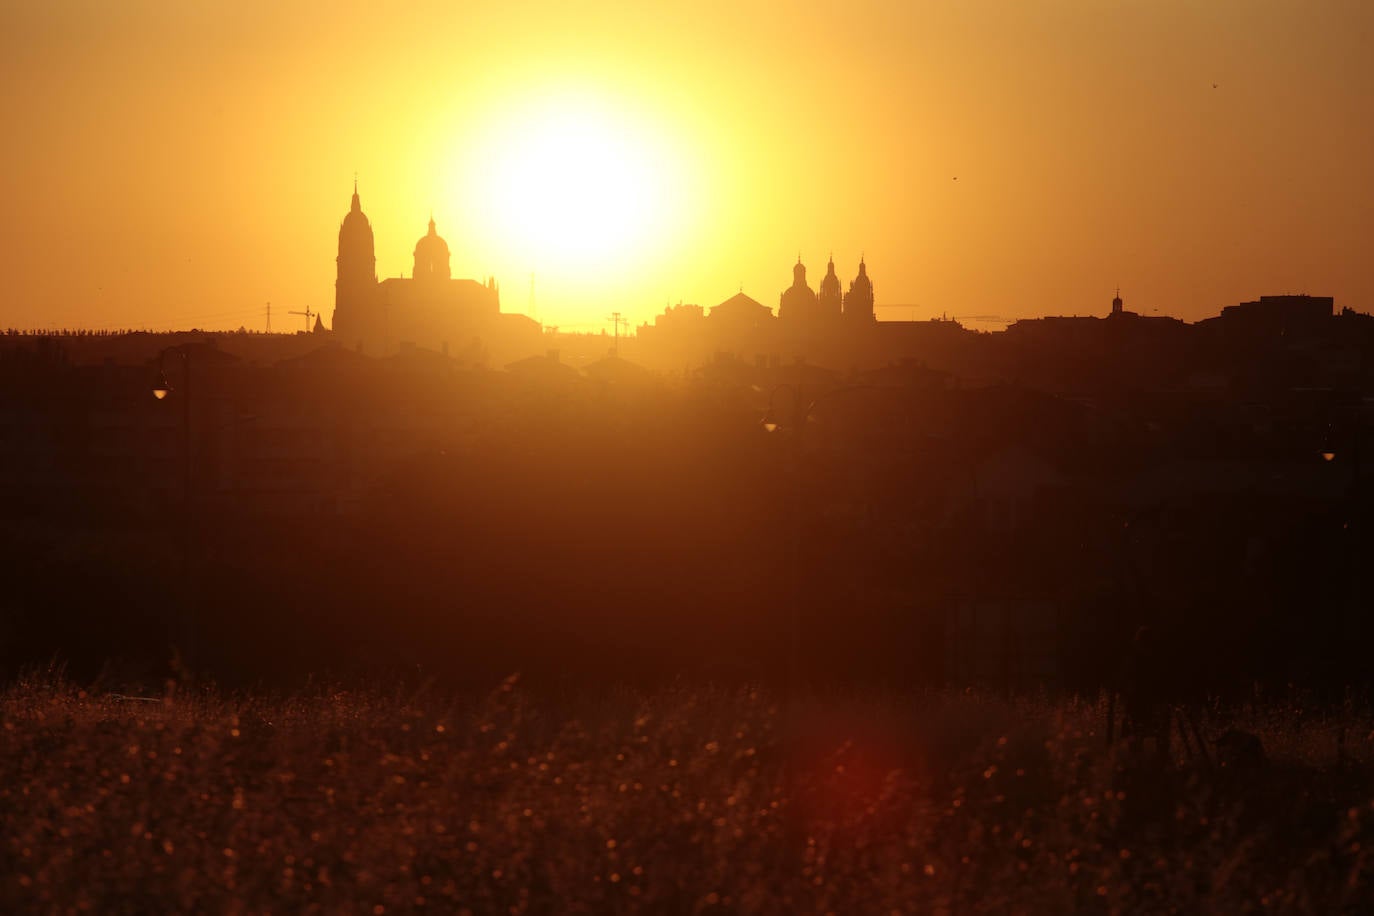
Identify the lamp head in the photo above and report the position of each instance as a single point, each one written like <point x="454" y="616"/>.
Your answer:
<point x="161" y="388"/>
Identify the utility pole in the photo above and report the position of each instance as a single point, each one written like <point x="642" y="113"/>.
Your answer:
<point x="615" y="317"/>
<point x="269" y="318"/>
<point x="308" y="315"/>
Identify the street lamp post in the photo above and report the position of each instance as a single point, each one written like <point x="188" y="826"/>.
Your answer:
<point x="1347" y="449"/>
<point x="161" y="389"/>
<point x="800" y="414"/>
<point x="773" y="424"/>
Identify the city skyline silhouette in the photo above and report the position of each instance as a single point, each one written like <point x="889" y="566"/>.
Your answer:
<point x="706" y="458"/>
<point x="1195" y="157"/>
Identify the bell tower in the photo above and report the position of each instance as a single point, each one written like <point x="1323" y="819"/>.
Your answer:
<point x="831" y="299"/>
<point x="858" y="302"/>
<point x="356" y="280"/>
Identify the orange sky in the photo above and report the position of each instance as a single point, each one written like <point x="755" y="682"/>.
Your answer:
<point x="177" y="164"/>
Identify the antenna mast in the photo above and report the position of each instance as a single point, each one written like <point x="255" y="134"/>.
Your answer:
<point x="615" y="317"/>
<point x="269" y="318"/>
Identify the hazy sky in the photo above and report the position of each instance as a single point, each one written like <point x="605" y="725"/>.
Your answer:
<point x="183" y="163"/>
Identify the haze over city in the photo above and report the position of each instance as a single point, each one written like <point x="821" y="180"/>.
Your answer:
<point x="183" y="165"/>
<point x="782" y="459"/>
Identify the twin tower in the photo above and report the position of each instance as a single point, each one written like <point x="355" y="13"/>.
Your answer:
<point x="800" y="306"/>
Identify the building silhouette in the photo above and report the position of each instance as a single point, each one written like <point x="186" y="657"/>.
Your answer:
<point x="740" y="315"/>
<point x="430" y="309"/>
<point x="826" y="327"/>
<point x="858" y="302"/>
<point x="798" y="302"/>
<point x="807" y="311"/>
<point x="830" y="300"/>
<point x="1278" y="318"/>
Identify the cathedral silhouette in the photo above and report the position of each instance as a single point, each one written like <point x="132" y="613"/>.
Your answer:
<point x="798" y="305"/>
<point x="430" y="309"/>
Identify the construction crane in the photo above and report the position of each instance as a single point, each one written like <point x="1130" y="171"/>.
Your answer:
<point x="308" y="315"/>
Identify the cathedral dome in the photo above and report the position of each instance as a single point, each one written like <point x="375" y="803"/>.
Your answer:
<point x="797" y="302"/>
<point x="431" y="256"/>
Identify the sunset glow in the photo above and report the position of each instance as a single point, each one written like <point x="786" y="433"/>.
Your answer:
<point x="737" y="456"/>
<point x="987" y="158"/>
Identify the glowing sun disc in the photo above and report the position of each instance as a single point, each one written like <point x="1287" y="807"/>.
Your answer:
<point x="567" y="185"/>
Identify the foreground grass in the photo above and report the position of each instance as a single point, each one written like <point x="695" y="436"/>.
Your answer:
<point x="691" y="800"/>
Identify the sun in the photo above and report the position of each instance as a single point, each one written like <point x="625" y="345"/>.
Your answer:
<point x="570" y="185"/>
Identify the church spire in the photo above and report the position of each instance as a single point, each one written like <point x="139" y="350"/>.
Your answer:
<point x="357" y="206"/>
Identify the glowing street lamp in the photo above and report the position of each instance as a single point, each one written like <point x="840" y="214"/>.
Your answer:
<point x="161" y="389"/>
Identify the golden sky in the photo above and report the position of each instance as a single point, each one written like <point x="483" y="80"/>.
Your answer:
<point x="170" y="164"/>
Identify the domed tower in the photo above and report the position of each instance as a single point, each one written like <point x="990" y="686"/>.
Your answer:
<point x="356" y="280"/>
<point x="1116" y="302"/>
<point x="858" y="302"/>
<point x="431" y="256"/>
<point x="830" y="300"/>
<point x="798" y="302"/>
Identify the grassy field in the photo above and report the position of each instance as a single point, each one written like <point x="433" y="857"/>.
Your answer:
<point x="691" y="800"/>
